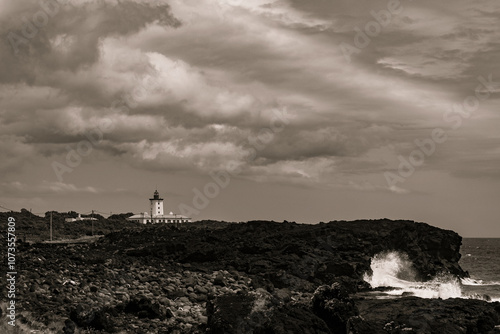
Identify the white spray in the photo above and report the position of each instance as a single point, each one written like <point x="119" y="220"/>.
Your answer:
<point x="394" y="269"/>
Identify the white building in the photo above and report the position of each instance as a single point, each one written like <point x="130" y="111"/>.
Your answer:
<point x="156" y="214"/>
<point x="79" y="218"/>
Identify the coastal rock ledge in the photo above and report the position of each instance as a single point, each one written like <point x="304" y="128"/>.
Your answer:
<point x="288" y="253"/>
<point x="254" y="277"/>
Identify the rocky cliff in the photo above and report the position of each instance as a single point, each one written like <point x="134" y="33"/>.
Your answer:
<point x="287" y="254"/>
<point x="221" y="277"/>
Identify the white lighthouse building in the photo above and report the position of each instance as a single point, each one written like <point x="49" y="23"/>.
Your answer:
<point x="156" y="214"/>
<point x="156" y="204"/>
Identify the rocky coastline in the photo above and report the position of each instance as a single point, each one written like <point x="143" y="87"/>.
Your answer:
<point x="254" y="277"/>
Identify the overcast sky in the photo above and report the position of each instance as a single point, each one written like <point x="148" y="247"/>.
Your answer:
<point x="311" y="105"/>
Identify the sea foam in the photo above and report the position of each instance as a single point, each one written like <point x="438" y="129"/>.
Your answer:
<point x="477" y="282"/>
<point x="394" y="269"/>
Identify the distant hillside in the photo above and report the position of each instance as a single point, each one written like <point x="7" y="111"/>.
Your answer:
<point x="36" y="228"/>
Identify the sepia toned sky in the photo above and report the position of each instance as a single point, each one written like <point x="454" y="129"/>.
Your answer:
<point x="304" y="111"/>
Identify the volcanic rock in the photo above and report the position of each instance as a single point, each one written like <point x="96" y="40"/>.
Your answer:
<point x="426" y="316"/>
<point x="219" y="277"/>
<point x="334" y="306"/>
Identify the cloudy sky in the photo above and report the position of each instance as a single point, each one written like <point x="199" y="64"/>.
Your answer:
<point x="307" y="111"/>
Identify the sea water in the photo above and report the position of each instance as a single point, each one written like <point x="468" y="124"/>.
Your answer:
<point x="480" y="257"/>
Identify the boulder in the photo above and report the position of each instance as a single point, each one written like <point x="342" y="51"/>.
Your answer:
<point x="260" y="312"/>
<point x="69" y="327"/>
<point x="144" y="307"/>
<point x="99" y="319"/>
<point x="334" y="306"/>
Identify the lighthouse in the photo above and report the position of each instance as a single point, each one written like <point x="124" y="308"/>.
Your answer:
<point x="156" y="214"/>
<point x="156" y="205"/>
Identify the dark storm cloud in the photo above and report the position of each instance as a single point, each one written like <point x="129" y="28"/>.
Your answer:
<point x="30" y="42"/>
<point x="186" y="85"/>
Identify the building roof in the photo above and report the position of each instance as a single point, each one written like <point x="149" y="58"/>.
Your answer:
<point x="170" y="216"/>
<point x="79" y="219"/>
<point x="146" y="215"/>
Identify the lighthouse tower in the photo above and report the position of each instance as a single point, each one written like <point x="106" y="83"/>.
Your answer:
<point x="156" y="205"/>
<point x="156" y="214"/>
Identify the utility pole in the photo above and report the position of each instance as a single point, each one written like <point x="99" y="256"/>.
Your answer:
<point x="50" y="225"/>
<point x="92" y="220"/>
<point x="30" y="230"/>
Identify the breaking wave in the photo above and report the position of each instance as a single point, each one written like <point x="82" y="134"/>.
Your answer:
<point x="395" y="271"/>
<point x="477" y="282"/>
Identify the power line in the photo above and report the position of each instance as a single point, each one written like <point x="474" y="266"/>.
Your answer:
<point x="102" y="213"/>
<point x="3" y="207"/>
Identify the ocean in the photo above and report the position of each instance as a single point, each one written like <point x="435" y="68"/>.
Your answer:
<point x="480" y="257"/>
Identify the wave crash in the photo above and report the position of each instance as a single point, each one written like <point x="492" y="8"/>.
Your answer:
<point x="394" y="274"/>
